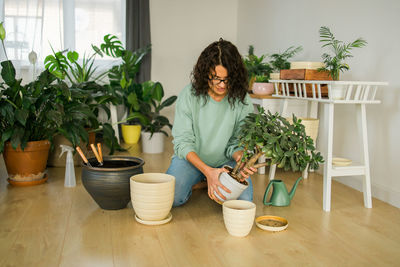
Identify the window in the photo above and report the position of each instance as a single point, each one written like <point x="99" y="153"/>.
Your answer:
<point x="39" y="25"/>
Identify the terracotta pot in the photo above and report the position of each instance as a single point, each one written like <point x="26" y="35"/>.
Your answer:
<point x="28" y="165"/>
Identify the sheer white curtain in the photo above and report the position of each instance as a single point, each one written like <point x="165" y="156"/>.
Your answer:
<point x="38" y="25"/>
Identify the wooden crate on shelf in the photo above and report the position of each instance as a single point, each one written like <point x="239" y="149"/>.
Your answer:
<point x="308" y="75"/>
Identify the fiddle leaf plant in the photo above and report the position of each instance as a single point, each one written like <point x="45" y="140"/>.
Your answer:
<point x="282" y="143"/>
<point x="334" y="63"/>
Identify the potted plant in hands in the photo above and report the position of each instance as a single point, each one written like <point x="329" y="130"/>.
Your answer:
<point x="282" y="143"/>
<point x="259" y="73"/>
<point x="279" y="61"/>
<point x="150" y="106"/>
<point x="334" y="63"/>
<point x="29" y="117"/>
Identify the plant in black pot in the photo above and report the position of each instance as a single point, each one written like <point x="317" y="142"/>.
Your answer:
<point x="29" y="118"/>
<point x="282" y="143"/>
<point x="259" y="73"/>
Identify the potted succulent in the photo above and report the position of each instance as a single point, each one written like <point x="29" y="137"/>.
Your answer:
<point x="122" y="81"/>
<point x="29" y="117"/>
<point x="282" y="143"/>
<point x="334" y="63"/>
<point x="259" y="73"/>
<point x="279" y="61"/>
<point x="150" y="106"/>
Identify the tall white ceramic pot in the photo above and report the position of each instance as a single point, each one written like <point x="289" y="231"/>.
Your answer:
<point x="234" y="186"/>
<point x="238" y="217"/>
<point x="152" y="195"/>
<point x="152" y="144"/>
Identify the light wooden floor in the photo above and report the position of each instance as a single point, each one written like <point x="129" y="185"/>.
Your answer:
<point x="49" y="225"/>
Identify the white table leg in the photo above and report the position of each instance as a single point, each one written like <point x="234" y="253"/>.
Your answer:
<point x="328" y="162"/>
<point x="305" y="172"/>
<point x="367" y="180"/>
<point x="272" y="170"/>
<point x="261" y="170"/>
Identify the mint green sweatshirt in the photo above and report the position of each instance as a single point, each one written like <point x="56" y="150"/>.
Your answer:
<point x="209" y="129"/>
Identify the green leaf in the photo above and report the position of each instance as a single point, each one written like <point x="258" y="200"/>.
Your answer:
<point x="72" y="56"/>
<point x="158" y="91"/>
<point x="21" y="115"/>
<point x="8" y="72"/>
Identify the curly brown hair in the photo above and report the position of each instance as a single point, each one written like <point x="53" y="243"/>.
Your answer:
<point x="223" y="53"/>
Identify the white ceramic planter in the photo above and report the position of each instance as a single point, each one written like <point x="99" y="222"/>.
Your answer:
<point x="153" y="145"/>
<point x="234" y="186"/>
<point x="263" y="88"/>
<point x="152" y="195"/>
<point x="338" y="92"/>
<point x="239" y="217"/>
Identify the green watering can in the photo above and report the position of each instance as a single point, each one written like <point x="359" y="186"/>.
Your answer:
<point x="280" y="196"/>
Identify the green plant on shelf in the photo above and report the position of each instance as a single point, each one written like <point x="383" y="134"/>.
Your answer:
<point x="279" y="61"/>
<point x="335" y="62"/>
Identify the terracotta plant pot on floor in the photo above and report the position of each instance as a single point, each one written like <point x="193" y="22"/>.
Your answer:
<point x="27" y="167"/>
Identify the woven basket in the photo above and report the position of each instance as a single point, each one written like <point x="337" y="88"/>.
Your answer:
<point x="311" y="126"/>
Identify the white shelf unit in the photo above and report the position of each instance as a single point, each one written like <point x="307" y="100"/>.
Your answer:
<point x="358" y="93"/>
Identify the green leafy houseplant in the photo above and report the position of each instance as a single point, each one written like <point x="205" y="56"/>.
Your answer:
<point x="85" y="96"/>
<point x="150" y="106"/>
<point x="122" y="77"/>
<point x="281" y="142"/>
<point x="341" y="51"/>
<point x="27" y="112"/>
<point x="279" y="61"/>
<point x="258" y="70"/>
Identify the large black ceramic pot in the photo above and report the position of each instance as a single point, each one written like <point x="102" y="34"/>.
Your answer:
<point x="109" y="185"/>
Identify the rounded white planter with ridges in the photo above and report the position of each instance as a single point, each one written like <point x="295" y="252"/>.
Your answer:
<point x="234" y="186"/>
<point x="152" y="195"/>
<point x="239" y="216"/>
<point x="153" y="144"/>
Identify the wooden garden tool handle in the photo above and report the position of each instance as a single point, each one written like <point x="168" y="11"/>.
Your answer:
<point x="95" y="153"/>
<point x="82" y="155"/>
<point x="100" y="151"/>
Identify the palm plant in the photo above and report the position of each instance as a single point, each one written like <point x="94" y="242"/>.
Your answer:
<point x="280" y="60"/>
<point x="341" y="51"/>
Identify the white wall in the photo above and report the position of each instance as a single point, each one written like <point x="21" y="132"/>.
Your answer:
<point x="272" y="26"/>
<point x="180" y="30"/>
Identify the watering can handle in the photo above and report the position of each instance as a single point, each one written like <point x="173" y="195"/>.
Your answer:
<point x="266" y="193"/>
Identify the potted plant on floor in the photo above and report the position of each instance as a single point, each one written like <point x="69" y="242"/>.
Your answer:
<point x="122" y="81"/>
<point x="279" y="61"/>
<point x="85" y="95"/>
<point x="259" y="73"/>
<point x="29" y="117"/>
<point x="150" y="106"/>
<point x="334" y="63"/>
<point x="282" y="143"/>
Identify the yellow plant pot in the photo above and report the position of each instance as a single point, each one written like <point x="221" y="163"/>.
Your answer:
<point x="131" y="133"/>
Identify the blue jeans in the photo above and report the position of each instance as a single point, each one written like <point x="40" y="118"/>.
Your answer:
<point x="186" y="175"/>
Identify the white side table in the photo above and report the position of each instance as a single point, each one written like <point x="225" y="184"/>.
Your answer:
<point x="339" y="92"/>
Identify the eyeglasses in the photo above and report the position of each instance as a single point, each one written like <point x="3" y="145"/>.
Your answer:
<point x="217" y="80"/>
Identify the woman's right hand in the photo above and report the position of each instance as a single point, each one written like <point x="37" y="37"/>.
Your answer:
<point x="213" y="183"/>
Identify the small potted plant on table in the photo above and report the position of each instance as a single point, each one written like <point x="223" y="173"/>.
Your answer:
<point x="334" y="63"/>
<point x="259" y="73"/>
<point x="279" y="61"/>
<point x="283" y="143"/>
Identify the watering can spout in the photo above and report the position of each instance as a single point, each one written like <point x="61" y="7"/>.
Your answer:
<point x="291" y="194"/>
